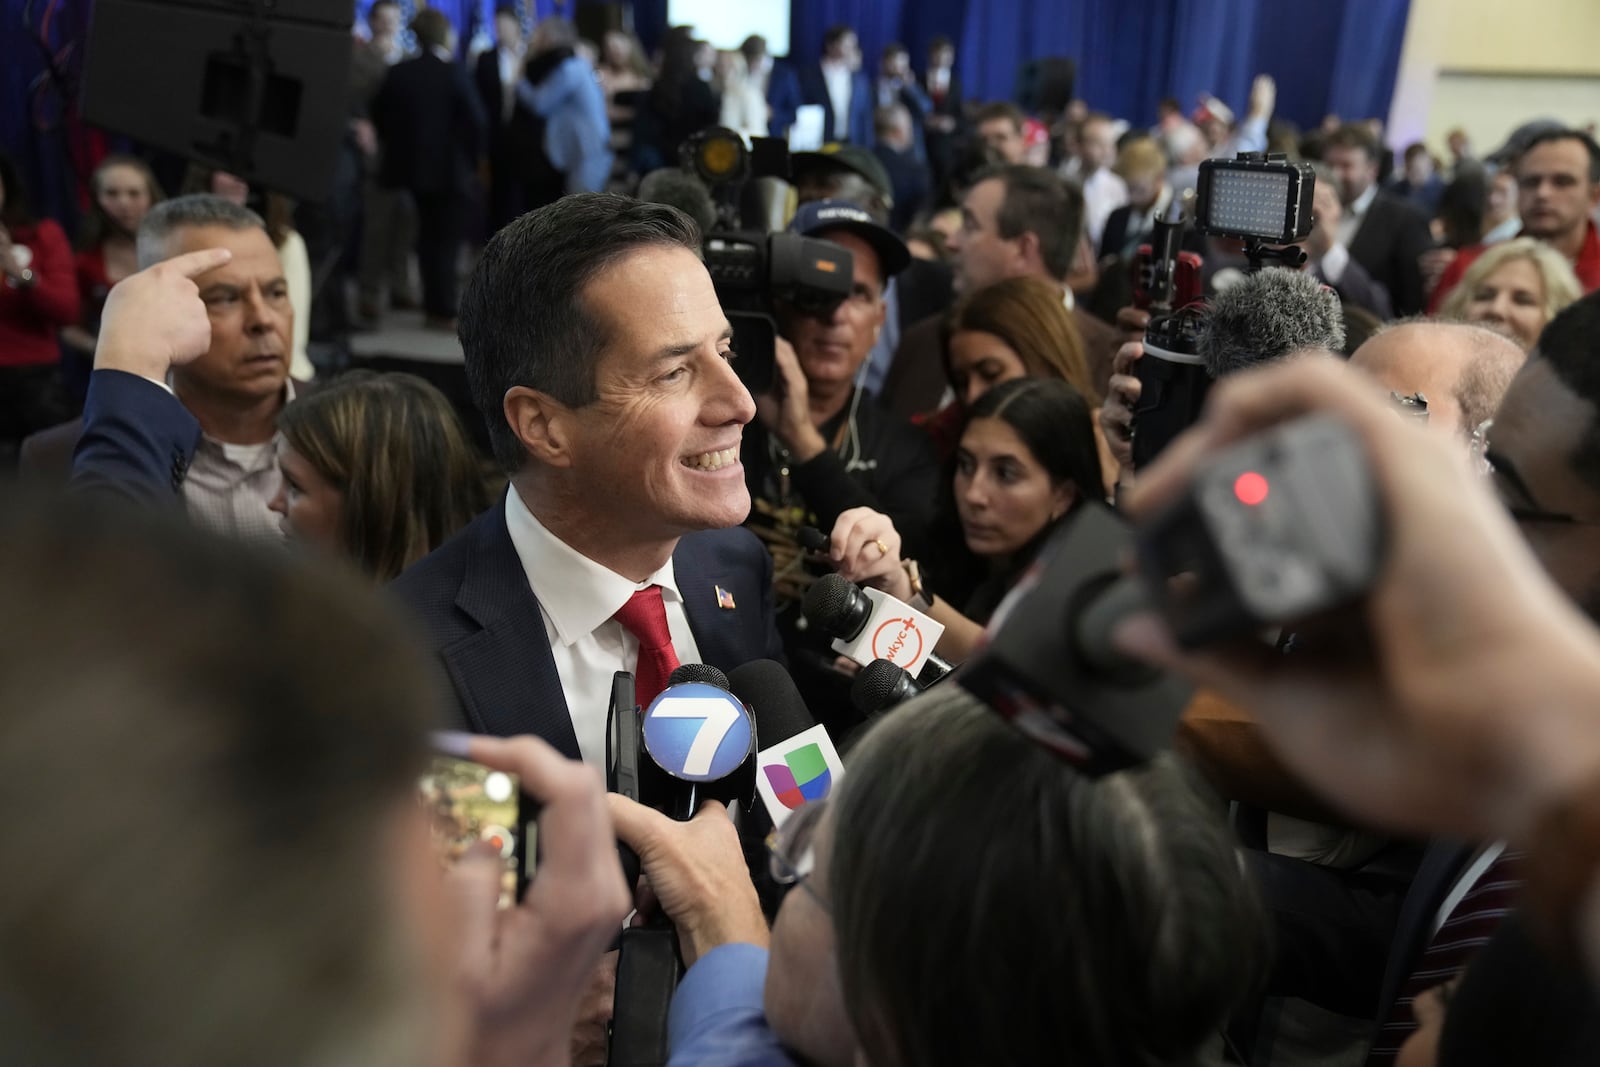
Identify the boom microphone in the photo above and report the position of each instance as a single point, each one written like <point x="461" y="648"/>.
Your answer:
<point x="1266" y="316"/>
<point x="798" y="762"/>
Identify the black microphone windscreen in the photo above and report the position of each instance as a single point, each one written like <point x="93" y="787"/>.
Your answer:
<point x="880" y="685"/>
<point x="812" y="539"/>
<point x="779" y="712"/>
<point x="697" y="672"/>
<point x="827" y="603"/>
<point x="675" y="188"/>
<point x="1268" y="315"/>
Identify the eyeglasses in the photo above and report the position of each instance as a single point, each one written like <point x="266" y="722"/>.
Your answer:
<point x="1483" y="461"/>
<point x="792" y="850"/>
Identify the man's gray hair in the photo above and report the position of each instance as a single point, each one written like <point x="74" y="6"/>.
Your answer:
<point x="183" y="212"/>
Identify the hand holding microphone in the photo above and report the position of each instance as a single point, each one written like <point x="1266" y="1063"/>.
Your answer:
<point x="865" y="548"/>
<point x="697" y="873"/>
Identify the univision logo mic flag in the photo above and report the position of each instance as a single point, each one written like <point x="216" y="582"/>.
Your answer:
<point x="797" y="771"/>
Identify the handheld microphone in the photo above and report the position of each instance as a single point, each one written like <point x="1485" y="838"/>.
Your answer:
<point x="880" y="686"/>
<point x="701" y="744"/>
<point x="798" y="763"/>
<point x="812" y="539"/>
<point x="868" y="624"/>
<point x="697" y="672"/>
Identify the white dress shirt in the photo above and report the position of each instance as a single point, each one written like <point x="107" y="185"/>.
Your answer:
<point x="577" y="598"/>
<point x="510" y="74"/>
<point x="838" y="77"/>
<point x="1103" y="193"/>
<point x="1355" y="215"/>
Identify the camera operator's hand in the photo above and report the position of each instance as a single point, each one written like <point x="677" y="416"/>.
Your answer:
<point x="1116" y="414"/>
<point x="786" y="410"/>
<point x="155" y="320"/>
<point x="1474" y="707"/>
<point x="525" y="970"/>
<point x="1132" y="323"/>
<point x="865" y="548"/>
<point x="696" y="871"/>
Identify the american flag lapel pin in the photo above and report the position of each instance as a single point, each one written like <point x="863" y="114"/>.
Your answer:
<point x="724" y="599"/>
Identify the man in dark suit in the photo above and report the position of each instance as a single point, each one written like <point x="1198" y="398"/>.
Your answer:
<point x="598" y="353"/>
<point x="838" y="85"/>
<point x="942" y="125"/>
<point x="1384" y="233"/>
<point x="1017" y="221"/>
<point x="516" y="135"/>
<point x="432" y="127"/>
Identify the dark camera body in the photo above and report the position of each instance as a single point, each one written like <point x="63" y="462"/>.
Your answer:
<point x="1173" y="383"/>
<point x="1265" y="200"/>
<point x="753" y="271"/>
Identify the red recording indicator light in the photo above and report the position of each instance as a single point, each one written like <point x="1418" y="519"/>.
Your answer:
<point x="1251" y="488"/>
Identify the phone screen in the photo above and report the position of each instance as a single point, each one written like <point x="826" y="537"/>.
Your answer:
<point x="467" y="802"/>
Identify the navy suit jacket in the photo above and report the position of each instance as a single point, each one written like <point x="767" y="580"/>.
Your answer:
<point x="472" y="597"/>
<point x="813" y="89"/>
<point x="136" y="441"/>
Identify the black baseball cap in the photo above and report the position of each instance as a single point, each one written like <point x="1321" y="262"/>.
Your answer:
<point x="823" y="216"/>
<point x="849" y="157"/>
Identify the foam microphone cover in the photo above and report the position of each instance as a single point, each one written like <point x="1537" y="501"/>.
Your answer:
<point x="679" y="189"/>
<point x="1268" y="315"/>
<point x="697" y="672"/>
<point x="774" y="701"/>
<point x="812" y="539"/>
<point x="828" y="604"/>
<point x="880" y="686"/>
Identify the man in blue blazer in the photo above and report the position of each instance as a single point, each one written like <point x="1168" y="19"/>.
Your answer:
<point x="835" y="83"/>
<point x="598" y="352"/>
<point x="595" y="342"/>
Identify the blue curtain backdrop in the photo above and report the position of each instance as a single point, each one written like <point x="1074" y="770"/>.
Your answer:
<point x="1336" y="55"/>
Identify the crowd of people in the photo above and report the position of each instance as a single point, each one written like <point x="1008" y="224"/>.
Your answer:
<point x="1331" y="857"/>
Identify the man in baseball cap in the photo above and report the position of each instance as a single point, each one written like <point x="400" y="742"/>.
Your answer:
<point x="843" y="172"/>
<point x="821" y="444"/>
<point x="923" y="289"/>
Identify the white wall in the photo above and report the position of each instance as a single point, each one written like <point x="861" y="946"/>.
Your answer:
<point x="1490" y="65"/>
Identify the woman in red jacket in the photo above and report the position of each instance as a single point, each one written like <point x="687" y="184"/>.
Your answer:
<point x="38" y="296"/>
<point x="123" y="190"/>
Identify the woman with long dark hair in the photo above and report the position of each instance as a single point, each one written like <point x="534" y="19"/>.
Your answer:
<point x="1026" y="459"/>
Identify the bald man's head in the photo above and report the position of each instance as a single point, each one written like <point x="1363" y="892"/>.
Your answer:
<point x="1462" y="370"/>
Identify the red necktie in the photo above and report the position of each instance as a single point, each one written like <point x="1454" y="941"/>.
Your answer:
<point x="645" y="617"/>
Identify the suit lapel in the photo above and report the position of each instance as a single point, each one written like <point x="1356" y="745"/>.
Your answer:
<point x="721" y="633"/>
<point x="1442" y="862"/>
<point x="504" y="672"/>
